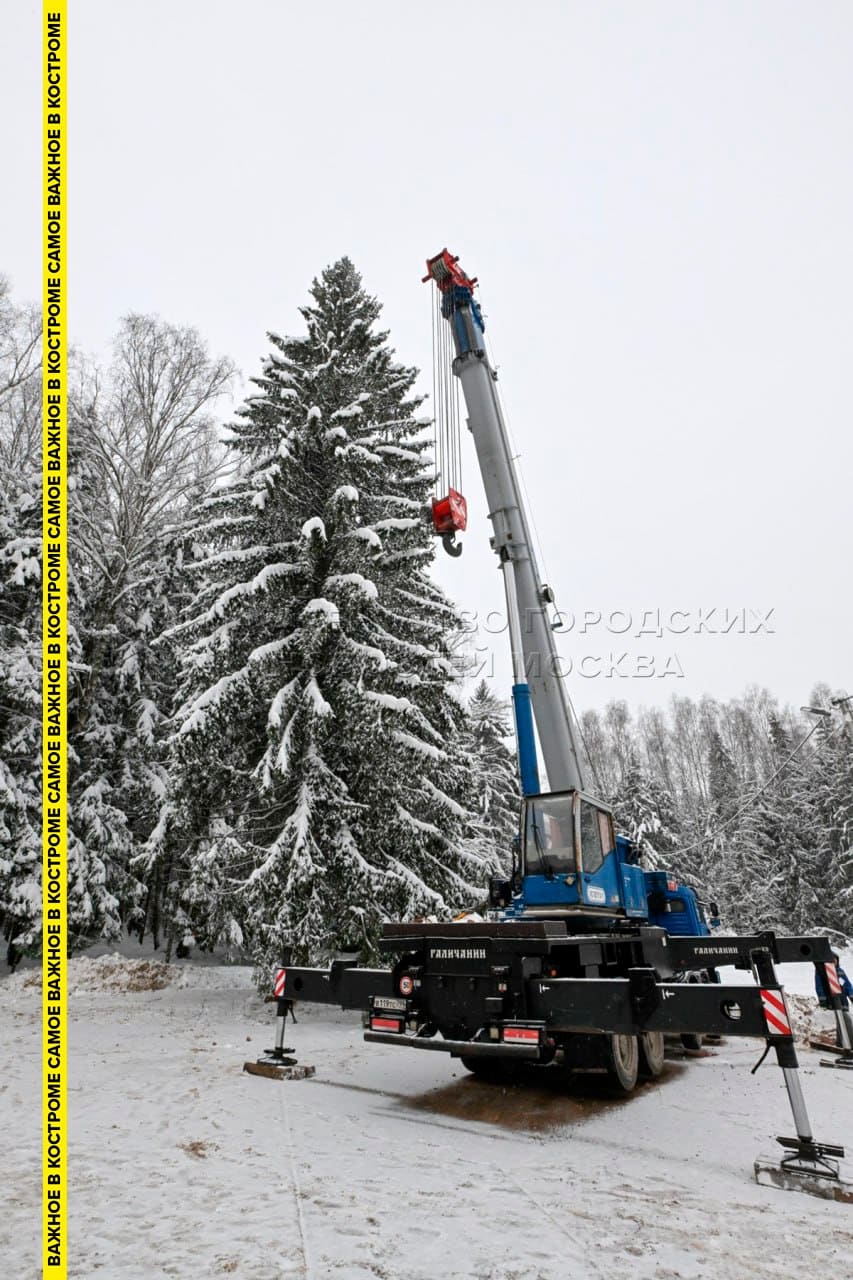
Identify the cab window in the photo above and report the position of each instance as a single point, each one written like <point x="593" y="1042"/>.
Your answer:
<point x="549" y="842"/>
<point x="605" y="826"/>
<point x="591" y="854"/>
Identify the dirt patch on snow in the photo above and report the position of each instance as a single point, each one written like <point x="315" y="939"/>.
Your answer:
<point x="115" y="973"/>
<point x="198" y="1149"/>
<point x="122" y="975"/>
<point x="537" y="1099"/>
<point x="112" y="973"/>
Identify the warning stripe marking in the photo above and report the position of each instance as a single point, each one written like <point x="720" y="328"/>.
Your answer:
<point x="775" y="1013"/>
<point x="832" y="979"/>
<point x="280" y="980"/>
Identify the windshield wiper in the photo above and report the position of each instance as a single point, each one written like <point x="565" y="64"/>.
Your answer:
<point x="540" y="849"/>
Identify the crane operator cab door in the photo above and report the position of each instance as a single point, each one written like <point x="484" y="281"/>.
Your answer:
<point x="570" y="855"/>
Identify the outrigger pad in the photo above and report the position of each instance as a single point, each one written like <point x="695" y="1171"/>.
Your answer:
<point x="769" y="1173"/>
<point x="844" y="1061"/>
<point x="811" y="1167"/>
<point x="286" y="1069"/>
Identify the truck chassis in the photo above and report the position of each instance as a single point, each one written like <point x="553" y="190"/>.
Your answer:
<point x="498" y="993"/>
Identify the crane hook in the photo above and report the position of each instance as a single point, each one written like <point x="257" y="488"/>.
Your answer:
<point x="451" y="546"/>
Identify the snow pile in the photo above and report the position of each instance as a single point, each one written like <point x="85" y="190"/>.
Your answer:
<point x="106" y="973"/>
<point x="807" y="1017"/>
<point x="116" y="973"/>
<point x="122" y="975"/>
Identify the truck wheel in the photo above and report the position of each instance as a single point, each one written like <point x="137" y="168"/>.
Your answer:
<point x="691" y="1041"/>
<point x="651" y="1048"/>
<point x="622" y="1060"/>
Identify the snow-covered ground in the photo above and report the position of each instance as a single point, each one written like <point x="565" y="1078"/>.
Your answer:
<point x="388" y="1163"/>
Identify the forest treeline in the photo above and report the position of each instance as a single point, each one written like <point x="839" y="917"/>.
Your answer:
<point x="749" y="801"/>
<point x="271" y="741"/>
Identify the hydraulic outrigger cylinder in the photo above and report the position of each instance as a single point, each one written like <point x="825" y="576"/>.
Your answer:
<point x="810" y="1165"/>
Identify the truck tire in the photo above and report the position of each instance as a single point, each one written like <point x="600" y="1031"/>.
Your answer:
<point x="651" y="1047"/>
<point x="622" y="1061"/>
<point x="489" y="1069"/>
<point x="691" y="1041"/>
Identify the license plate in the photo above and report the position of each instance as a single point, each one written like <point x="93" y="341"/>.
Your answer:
<point x="390" y="1002"/>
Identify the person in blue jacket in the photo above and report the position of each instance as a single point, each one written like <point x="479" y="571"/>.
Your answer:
<point x="822" y="990"/>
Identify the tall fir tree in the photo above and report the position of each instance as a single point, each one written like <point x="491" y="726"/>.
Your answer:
<point x="20" y="710"/>
<point x="495" y="795"/>
<point x="831" y="782"/>
<point x="20" y="625"/>
<point x="142" y="446"/>
<point x="320" y="779"/>
<point x="645" y="812"/>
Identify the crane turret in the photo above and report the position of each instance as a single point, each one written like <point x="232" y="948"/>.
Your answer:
<point x="537" y="678"/>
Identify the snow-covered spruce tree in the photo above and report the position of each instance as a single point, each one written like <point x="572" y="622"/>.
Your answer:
<point x="828" y="772"/>
<point x="795" y="854"/>
<point x="719" y="848"/>
<point x="495" y="796"/>
<point x="20" y="709"/>
<point x="321" y="780"/>
<point x="141" y="446"/>
<point x="644" y="811"/>
<point x="20" y="625"/>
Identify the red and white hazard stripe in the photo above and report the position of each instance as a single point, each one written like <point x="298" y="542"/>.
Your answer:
<point x="280" y="980"/>
<point x="776" y="1014"/>
<point x="832" y="978"/>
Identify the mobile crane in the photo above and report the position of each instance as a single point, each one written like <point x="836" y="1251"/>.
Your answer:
<point x="584" y="961"/>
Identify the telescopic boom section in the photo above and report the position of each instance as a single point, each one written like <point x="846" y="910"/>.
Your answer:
<point x="534" y="655"/>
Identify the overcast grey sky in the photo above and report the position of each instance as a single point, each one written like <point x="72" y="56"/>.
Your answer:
<point x="658" y="201"/>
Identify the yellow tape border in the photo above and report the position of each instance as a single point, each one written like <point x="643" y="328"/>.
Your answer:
<point x="54" y="646"/>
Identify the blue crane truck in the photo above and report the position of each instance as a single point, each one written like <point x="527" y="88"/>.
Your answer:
<point x="584" y="959"/>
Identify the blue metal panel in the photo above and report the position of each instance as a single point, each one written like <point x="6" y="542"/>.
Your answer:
<point x="604" y="887"/>
<point x="527" y="764"/>
<point x="540" y="891"/>
<point x="634" y="891"/>
<point x="676" y="908"/>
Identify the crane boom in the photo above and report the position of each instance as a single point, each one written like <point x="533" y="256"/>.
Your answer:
<point x="536" y="664"/>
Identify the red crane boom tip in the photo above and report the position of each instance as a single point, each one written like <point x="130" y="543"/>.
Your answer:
<point x="446" y="272"/>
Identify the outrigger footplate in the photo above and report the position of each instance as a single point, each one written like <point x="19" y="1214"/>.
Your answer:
<point x="843" y="1057"/>
<point x="275" y="1064"/>
<point x="281" y="1069"/>
<point x="811" y="1167"/>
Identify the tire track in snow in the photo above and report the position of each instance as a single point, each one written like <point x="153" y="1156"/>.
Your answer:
<point x="296" y="1186"/>
<point x="574" y="1251"/>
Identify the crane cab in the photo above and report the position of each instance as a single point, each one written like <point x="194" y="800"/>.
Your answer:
<point x="573" y="863"/>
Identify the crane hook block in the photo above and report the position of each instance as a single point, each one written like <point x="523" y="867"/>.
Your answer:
<point x="450" y="514"/>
